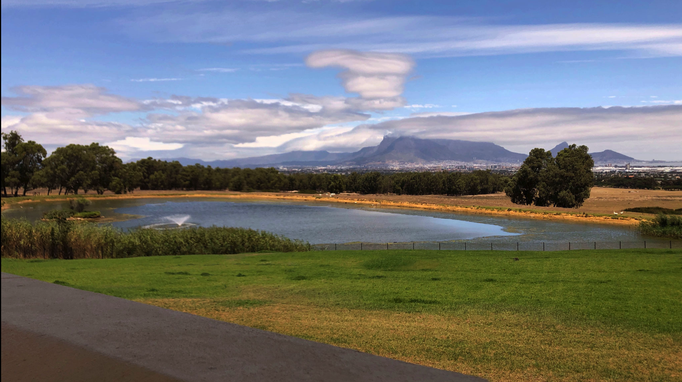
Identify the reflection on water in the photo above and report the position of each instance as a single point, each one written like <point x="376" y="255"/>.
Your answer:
<point x="338" y="223"/>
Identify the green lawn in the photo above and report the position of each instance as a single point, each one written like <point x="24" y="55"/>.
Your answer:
<point x="564" y="316"/>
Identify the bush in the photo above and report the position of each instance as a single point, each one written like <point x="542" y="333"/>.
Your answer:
<point x="663" y="225"/>
<point x="67" y="240"/>
<point x="79" y="204"/>
<point x="58" y="214"/>
<point x="87" y="215"/>
<point x="655" y="210"/>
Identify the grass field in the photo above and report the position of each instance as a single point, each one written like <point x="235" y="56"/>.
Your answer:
<point x="563" y="316"/>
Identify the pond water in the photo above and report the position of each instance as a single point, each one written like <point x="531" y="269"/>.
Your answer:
<point x="339" y="223"/>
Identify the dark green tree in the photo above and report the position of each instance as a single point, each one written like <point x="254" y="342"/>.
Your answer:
<point x="369" y="183"/>
<point x="21" y="160"/>
<point x="524" y="187"/>
<point x="105" y="167"/>
<point x="572" y="178"/>
<point x="74" y="166"/>
<point x="564" y="181"/>
<point x="10" y="175"/>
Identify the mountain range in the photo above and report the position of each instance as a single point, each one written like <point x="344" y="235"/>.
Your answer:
<point x="400" y="150"/>
<point x="606" y="156"/>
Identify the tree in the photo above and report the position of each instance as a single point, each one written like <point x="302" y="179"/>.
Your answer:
<point x="30" y="156"/>
<point x="130" y="176"/>
<point x="369" y="183"/>
<point x="336" y="184"/>
<point x="572" y="178"/>
<point x="10" y="175"/>
<point x="525" y="186"/>
<point x="106" y="164"/>
<point x="74" y="165"/>
<point x="564" y="181"/>
<point x="4" y="173"/>
<point x="20" y="161"/>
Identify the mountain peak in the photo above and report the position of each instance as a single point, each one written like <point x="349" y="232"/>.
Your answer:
<point x="559" y="147"/>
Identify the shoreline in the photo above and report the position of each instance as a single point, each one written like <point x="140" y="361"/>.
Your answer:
<point x="377" y="201"/>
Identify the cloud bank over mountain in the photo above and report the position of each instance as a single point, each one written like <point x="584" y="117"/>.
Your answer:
<point x="219" y="128"/>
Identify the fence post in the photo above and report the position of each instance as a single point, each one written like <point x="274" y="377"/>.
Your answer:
<point x="387" y="246"/>
<point x="361" y="246"/>
<point x="413" y="245"/>
<point x="543" y="246"/>
<point x="671" y="244"/>
<point x="620" y="245"/>
<point x="569" y="245"/>
<point x="465" y="245"/>
<point x="491" y="246"/>
<point x="644" y="244"/>
<point x="335" y="246"/>
<point x="517" y="245"/>
<point x="595" y="245"/>
<point x="439" y="245"/>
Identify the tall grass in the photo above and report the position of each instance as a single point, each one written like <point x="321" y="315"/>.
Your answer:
<point x="67" y="240"/>
<point x="663" y="225"/>
<point x="655" y="210"/>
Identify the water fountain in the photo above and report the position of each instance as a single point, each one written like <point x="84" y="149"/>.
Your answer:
<point x="176" y="222"/>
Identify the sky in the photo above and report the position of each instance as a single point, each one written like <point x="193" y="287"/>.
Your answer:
<point x="209" y="79"/>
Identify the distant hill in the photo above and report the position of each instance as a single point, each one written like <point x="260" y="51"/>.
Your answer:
<point x="415" y="150"/>
<point x="559" y="147"/>
<point x="610" y="156"/>
<point x="403" y="150"/>
<point x="601" y="157"/>
<point x="301" y="158"/>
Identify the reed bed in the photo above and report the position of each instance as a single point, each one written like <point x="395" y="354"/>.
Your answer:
<point x="69" y="240"/>
<point x="663" y="225"/>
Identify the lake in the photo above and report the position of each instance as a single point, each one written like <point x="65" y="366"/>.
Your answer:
<point x="340" y="223"/>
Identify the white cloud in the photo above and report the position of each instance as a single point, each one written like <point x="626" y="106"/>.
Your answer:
<point x="665" y="102"/>
<point x="371" y="75"/>
<point x="68" y="101"/>
<point x="280" y="31"/>
<point x="336" y="140"/>
<point x="647" y="131"/>
<point x="48" y="130"/>
<point x="241" y="121"/>
<point x="62" y="115"/>
<point x="155" y="79"/>
<point x="437" y="114"/>
<point x="143" y="144"/>
<point x="424" y="106"/>
<point x="218" y="70"/>
<point x="276" y="140"/>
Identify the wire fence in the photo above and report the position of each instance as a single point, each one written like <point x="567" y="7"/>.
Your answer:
<point x="501" y="246"/>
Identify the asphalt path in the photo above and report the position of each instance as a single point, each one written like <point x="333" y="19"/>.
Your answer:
<point x="56" y="333"/>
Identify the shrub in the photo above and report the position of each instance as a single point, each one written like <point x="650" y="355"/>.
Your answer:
<point x="87" y="214"/>
<point x="79" y="204"/>
<point x="655" y="210"/>
<point x="663" y="225"/>
<point x="58" y="214"/>
<point x="68" y="240"/>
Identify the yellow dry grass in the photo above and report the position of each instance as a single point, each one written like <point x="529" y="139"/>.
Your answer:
<point x="499" y="346"/>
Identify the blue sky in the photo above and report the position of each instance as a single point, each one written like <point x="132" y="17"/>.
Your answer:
<point x="215" y="80"/>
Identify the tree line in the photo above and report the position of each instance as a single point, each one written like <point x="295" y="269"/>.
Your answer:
<point x="639" y="182"/>
<point x="70" y="169"/>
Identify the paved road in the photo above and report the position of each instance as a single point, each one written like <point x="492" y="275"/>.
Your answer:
<point x="48" y="328"/>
